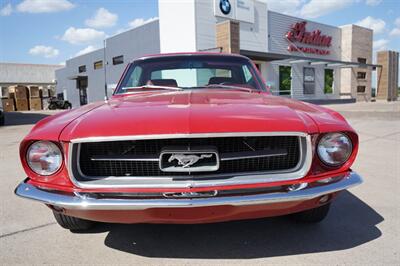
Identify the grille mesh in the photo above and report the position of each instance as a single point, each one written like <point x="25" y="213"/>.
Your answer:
<point x="153" y="148"/>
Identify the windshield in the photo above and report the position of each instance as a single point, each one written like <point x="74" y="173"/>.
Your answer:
<point x="191" y="72"/>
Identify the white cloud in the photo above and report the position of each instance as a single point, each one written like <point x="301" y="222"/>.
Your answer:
<point x="140" y="21"/>
<point x="134" y="24"/>
<point x="44" y="6"/>
<point x="397" y="22"/>
<point x="82" y="35"/>
<point x="380" y="44"/>
<point x="395" y="32"/>
<point x="373" y="2"/>
<point x="46" y="51"/>
<point x="290" y="7"/>
<point x="6" y="10"/>
<point x="318" y="8"/>
<point x="376" y="24"/>
<point x="86" y="50"/>
<point x="102" y="19"/>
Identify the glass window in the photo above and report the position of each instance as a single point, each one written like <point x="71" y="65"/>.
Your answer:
<point x="361" y="89"/>
<point x="362" y="60"/>
<point x="308" y="80"/>
<point x="285" y="80"/>
<point x="361" y="75"/>
<point x="98" y="65"/>
<point x="328" y="87"/>
<point x="247" y="74"/>
<point x="134" y="78"/>
<point x="192" y="72"/>
<point x="118" y="60"/>
<point x="82" y="69"/>
<point x="83" y="96"/>
<point x="191" y="77"/>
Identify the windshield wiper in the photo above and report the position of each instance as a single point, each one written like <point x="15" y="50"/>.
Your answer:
<point x="147" y="87"/>
<point x="228" y="87"/>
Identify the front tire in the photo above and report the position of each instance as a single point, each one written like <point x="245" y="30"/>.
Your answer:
<point x="72" y="223"/>
<point x="315" y="215"/>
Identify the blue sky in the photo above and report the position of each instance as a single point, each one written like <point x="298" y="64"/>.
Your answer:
<point x="52" y="31"/>
<point x="22" y="30"/>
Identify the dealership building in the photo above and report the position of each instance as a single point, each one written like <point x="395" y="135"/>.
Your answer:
<point x="298" y="58"/>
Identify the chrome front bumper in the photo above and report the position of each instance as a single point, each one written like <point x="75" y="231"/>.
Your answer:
<point x="83" y="202"/>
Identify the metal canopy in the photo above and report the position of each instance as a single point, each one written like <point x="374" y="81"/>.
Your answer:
<point x="77" y="77"/>
<point x="293" y="59"/>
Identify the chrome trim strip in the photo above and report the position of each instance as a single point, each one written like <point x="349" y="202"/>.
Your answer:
<point x="125" y="158"/>
<point x="297" y="172"/>
<point x="188" y="135"/>
<point x="224" y="156"/>
<point x="84" y="202"/>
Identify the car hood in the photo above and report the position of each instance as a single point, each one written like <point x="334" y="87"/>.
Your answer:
<point x="51" y="127"/>
<point x="202" y="111"/>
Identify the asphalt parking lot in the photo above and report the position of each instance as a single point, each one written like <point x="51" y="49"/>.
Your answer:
<point x="362" y="228"/>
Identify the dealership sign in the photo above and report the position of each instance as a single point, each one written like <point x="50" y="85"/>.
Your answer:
<point x="240" y="10"/>
<point x="225" y="6"/>
<point x="299" y="34"/>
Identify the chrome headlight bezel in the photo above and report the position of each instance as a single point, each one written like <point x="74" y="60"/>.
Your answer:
<point x="328" y="141"/>
<point x="44" y="158"/>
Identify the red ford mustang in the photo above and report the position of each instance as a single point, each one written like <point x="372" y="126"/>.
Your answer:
<point x="189" y="138"/>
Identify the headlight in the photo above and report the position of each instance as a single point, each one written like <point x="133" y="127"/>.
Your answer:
<point x="334" y="149"/>
<point x="44" y="157"/>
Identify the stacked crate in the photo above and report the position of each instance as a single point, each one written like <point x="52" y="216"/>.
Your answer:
<point x="35" y="101"/>
<point x="7" y="101"/>
<point x="21" y="98"/>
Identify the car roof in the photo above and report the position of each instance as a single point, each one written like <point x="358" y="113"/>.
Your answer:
<point x="163" y="55"/>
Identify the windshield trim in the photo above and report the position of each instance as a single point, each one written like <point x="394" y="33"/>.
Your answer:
<point x="246" y="61"/>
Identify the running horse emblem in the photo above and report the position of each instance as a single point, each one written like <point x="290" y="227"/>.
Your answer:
<point x="187" y="160"/>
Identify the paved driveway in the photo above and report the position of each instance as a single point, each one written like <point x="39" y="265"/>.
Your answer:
<point x="362" y="227"/>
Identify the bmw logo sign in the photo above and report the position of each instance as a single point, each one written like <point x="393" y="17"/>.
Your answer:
<point x="225" y="6"/>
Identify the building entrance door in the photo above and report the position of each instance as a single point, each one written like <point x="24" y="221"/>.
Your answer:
<point x="82" y="84"/>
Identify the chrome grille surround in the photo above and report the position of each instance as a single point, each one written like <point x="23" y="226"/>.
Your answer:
<point x="298" y="172"/>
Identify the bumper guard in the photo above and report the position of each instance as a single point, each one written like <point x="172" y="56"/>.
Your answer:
<point x="83" y="202"/>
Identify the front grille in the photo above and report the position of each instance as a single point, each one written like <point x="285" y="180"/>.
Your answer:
<point x="151" y="149"/>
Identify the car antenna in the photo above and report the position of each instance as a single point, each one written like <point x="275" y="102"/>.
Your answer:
<point x="105" y="71"/>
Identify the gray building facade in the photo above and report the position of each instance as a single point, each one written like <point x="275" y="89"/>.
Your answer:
<point x="298" y="58"/>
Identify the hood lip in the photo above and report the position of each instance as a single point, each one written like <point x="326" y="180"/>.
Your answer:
<point x="77" y="117"/>
<point x="189" y="135"/>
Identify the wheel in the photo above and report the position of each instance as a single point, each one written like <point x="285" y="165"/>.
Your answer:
<point x="52" y="106"/>
<point x="315" y="215"/>
<point x="1" y="120"/>
<point x="72" y="223"/>
<point x="67" y="105"/>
